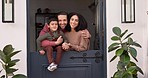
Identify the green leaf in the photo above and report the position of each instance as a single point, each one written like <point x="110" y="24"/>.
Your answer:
<point x="113" y="58"/>
<point x="13" y="62"/>
<point x="2" y="56"/>
<point x="13" y="53"/>
<point x="121" y="66"/>
<point x="113" y="48"/>
<point x="130" y="41"/>
<point x="131" y="64"/>
<point x="131" y="69"/>
<point x="124" y="46"/>
<point x="128" y="75"/>
<point x="117" y="31"/>
<point x="8" y="59"/>
<point x="8" y="49"/>
<point x="133" y="52"/>
<point x="123" y="33"/>
<point x="136" y="44"/>
<point x="119" y="52"/>
<point x="128" y="36"/>
<point x="113" y="45"/>
<point x="118" y="74"/>
<point x="115" y="38"/>
<point x="125" y="58"/>
<point x="10" y="70"/>
<point x="139" y="69"/>
<point x="19" y="76"/>
<point x="3" y="65"/>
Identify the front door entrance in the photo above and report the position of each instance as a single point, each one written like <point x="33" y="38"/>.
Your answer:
<point x="88" y="64"/>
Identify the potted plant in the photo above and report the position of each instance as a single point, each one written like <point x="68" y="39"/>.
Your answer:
<point x="124" y="48"/>
<point x="8" y="63"/>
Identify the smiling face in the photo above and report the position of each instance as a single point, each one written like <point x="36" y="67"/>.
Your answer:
<point x="53" y="26"/>
<point x="74" y="21"/>
<point x="62" y="19"/>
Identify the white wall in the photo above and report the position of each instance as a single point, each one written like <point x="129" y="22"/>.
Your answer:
<point x="15" y="34"/>
<point x="139" y="28"/>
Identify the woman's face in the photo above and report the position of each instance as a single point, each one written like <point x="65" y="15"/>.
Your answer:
<point x="53" y="26"/>
<point x="74" y="21"/>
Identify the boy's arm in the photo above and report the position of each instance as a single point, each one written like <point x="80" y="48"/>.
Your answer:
<point x="40" y="38"/>
<point x="48" y="43"/>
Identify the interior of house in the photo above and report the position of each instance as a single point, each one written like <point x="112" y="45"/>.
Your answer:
<point x="40" y="10"/>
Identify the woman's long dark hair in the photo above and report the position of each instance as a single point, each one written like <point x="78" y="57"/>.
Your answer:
<point x="82" y="24"/>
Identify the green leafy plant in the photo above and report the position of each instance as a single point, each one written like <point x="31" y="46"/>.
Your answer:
<point x="124" y="48"/>
<point x="8" y="64"/>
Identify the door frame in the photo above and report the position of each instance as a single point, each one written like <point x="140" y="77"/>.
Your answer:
<point x="104" y="41"/>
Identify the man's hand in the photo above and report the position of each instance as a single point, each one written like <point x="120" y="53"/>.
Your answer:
<point x="59" y="40"/>
<point x="85" y="33"/>
<point x="42" y="52"/>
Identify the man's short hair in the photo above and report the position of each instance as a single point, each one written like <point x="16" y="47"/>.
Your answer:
<point x="62" y="13"/>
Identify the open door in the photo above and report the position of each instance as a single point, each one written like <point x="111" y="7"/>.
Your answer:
<point x="88" y="64"/>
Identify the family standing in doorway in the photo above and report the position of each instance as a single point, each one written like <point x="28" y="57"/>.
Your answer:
<point x="64" y="33"/>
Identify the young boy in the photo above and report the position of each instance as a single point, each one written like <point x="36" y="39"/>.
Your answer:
<point x="53" y="35"/>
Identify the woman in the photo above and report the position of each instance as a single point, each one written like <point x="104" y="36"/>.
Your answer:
<point x="74" y="34"/>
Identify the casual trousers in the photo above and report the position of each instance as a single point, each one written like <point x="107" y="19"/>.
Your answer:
<point x="49" y="51"/>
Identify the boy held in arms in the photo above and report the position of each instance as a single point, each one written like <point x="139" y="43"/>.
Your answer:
<point x="53" y="35"/>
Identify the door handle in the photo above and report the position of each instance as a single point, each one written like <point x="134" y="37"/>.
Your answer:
<point x="97" y="56"/>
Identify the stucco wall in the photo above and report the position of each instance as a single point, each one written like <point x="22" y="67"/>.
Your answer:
<point x="139" y="28"/>
<point x="15" y="34"/>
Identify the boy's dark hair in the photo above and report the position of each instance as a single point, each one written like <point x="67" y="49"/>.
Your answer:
<point x="82" y="25"/>
<point x="52" y="19"/>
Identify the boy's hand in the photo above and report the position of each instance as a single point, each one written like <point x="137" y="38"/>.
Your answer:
<point x="59" y="40"/>
<point x="42" y="52"/>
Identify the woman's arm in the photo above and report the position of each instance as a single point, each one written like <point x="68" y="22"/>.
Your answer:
<point x="83" y="45"/>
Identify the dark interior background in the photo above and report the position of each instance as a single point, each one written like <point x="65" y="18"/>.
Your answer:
<point x="85" y="7"/>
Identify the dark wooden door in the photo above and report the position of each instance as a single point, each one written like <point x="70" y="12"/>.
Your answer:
<point x="88" y="64"/>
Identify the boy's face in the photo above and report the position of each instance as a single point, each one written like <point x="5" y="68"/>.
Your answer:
<point x="53" y="26"/>
<point x="62" y="20"/>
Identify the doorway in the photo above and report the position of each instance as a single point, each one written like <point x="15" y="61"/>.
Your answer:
<point x="89" y="64"/>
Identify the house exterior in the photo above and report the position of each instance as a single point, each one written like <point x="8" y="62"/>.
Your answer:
<point x="16" y="33"/>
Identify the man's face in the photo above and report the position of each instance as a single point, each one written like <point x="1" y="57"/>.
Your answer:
<point x="62" y="19"/>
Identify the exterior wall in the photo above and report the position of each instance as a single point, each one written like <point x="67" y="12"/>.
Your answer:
<point x="139" y="28"/>
<point x="15" y="34"/>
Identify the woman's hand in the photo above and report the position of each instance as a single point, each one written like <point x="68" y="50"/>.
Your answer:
<point x="42" y="52"/>
<point x="65" y="46"/>
<point x="59" y="40"/>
